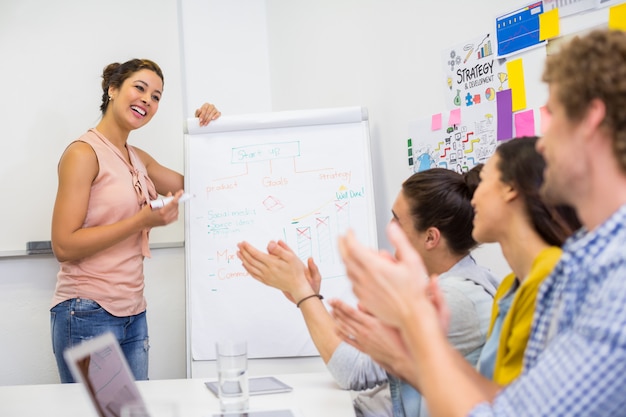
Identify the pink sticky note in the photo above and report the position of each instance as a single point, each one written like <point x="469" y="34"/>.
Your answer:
<point x="436" y="122"/>
<point x="525" y="123"/>
<point x="455" y="117"/>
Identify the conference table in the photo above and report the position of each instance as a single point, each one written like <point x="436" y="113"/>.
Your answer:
<point x="313" y="395"/>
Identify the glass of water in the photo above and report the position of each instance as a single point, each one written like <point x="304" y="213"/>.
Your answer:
<point x="232" y="375"/>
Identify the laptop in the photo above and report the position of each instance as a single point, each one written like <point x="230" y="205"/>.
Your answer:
<point x="101" y="367"/>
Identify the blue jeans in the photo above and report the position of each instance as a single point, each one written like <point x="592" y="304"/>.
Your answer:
<point x="78" y="319"/>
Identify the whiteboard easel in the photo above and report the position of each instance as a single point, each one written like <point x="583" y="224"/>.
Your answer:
<point x="301" y="176"/>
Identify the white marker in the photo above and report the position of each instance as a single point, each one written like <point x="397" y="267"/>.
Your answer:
<point x="160" y="202"/>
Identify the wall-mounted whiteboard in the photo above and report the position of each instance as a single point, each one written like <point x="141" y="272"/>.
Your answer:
<point x="33" y="141"/>
<point x="301" y="176"/>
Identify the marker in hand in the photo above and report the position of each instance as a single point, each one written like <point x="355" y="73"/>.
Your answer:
<point x="160" y="202"/>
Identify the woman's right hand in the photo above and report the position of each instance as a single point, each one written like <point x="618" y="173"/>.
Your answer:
<point x="164" y="215"/>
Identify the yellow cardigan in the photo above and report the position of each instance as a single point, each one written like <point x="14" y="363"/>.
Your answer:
<point x="517" y="323"/>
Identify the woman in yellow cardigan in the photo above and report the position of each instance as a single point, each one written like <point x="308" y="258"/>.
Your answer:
<point x="508" y="210"/>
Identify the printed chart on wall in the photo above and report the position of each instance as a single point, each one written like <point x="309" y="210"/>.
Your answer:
<point x="519" y="30"/>
<point x="469" y="138"/>
<point x="303" y="177"/>
<point x="473" y="73"/>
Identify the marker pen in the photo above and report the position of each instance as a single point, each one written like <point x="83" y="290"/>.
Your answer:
<point x="160" y="202"/>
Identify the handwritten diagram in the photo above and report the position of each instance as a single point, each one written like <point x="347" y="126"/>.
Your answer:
<point x="297" y="197"/>
<point x="305" y="186"/>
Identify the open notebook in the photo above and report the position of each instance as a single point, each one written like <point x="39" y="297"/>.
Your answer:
<point x="101" y="367"/>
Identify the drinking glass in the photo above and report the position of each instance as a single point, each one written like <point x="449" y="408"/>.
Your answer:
<point x="232" y="375"/>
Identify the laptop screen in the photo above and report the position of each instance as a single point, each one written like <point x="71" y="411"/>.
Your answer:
<point x="101" y="367"/>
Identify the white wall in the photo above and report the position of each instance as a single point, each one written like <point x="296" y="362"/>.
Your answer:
<point x="53" y="54"/>
<point x="225" y="57"/>
<point x="385" y="55"/>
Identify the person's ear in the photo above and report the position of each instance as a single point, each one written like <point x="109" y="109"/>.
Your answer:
<point x="509" y="193"/>
<point x="433" y="236"/>
<point x="111" y="92"/>
<point x="595" y="115"/>
<point x="592" y="122"/>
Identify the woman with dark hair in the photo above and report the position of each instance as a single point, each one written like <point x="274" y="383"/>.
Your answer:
<point x="102" y="218"/>
<point x="434" y="210"/>
<point x="510" y="211"/>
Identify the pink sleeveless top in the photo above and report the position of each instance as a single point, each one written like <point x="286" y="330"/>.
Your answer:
<point x="113" y="277"/>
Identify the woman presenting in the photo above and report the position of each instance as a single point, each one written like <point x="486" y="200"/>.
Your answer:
<point x="102" y="218"/>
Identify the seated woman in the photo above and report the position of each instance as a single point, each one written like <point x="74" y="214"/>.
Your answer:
<point x="531" y="233"/>
<point x="508" y="210"/>
<point x="434" y="210"/>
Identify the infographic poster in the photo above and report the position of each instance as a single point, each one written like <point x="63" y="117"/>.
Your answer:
<point x="473" y="74"/>
<point x="459" y="146"/>
<point x="519" y="30"/>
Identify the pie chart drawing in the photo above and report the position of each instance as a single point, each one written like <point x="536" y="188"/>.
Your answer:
<point x="490" y="93"/>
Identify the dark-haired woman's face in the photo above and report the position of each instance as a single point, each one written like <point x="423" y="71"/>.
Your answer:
<point x="401" y="211"/>
<point x="489" y="203"/>
<point x="137" y="100"/>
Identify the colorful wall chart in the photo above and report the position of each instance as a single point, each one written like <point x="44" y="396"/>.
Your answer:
<point x="519" y="29"/>
<point x="472" y="72"/>
<point x="458" y="146"/>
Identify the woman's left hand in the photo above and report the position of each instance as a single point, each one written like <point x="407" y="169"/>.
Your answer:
<point x="207" y="113"/>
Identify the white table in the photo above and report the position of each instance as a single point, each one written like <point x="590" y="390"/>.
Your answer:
<point x="313" y="395"/>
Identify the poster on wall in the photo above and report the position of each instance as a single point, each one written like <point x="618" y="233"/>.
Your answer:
<point x="606" y="3"/>
<point x="518" y="30"/>
<point x="457" y="146"/>
<point x="473" y="74"/>
<point x="569" y="7"/>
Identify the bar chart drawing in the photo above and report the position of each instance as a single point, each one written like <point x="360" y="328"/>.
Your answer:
<point x="303" y="239"/>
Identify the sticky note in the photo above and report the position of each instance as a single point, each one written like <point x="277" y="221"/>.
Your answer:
<point x="455" y="117"/>
<point x="436" y="122"/>
<point x="525" y="123"/>
<point x="549" y="24"/>
<point x="515" y="69"/>
<point x="505" y="115"/>
<point x="617" y="17"/>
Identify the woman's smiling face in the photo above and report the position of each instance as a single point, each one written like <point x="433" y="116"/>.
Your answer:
<point x="137" y="100"/>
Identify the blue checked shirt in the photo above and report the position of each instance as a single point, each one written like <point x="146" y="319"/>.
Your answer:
<point x="575" y="361"/>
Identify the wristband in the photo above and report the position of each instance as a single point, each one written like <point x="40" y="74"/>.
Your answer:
<point x="307" y="297"/>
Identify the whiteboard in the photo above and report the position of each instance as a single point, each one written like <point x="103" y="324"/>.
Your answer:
<point x="65" y="102"/>
<point x="301" y="176"/>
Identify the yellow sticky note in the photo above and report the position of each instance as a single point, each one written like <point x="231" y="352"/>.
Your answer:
<point x="617" y="17"/>
<point x="549" y="24"/>
<point x="515" y="69"/>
